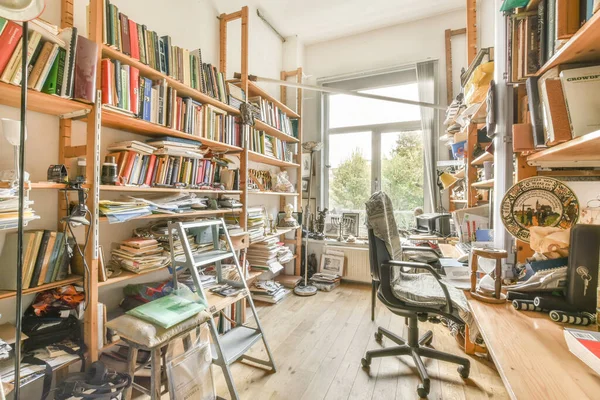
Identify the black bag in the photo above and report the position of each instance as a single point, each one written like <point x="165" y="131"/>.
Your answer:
<point x="44" y="331"/>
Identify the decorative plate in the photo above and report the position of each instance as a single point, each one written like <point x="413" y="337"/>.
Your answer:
<point x="538" y="201"/>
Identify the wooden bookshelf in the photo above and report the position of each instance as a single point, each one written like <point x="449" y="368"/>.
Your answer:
<point x="255" y="90"/>
<point x="10" y="95"/>
<point x="584" y="149"/>
<point x="582" y="47"/>
<point x="127" y="275"/>
<point x="217" y="303"/>
<point x="274" y="132"/>
<point x="482" y="158"/>
<point x="115" y="120"/>
<point x="149" y="72"/>
<point x="488" y="184"/>
<point x="199" y="213"/>
<point x="138" y="189"/>
<point x="261" y="158"/>
<point x="71" y="279"/>
<point x="272" y="193"/>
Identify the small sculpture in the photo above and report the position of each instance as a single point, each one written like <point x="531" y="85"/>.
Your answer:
<point x="320" y="223"/>
<point x="272" y="225"/>
<point x="288" y="221"/>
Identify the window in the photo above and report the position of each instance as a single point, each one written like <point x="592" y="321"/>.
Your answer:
<point x="373" y="145"/>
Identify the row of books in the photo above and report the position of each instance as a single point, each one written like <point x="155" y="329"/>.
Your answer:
<point x="62" y="64"/>
<point x="256" y="223"/>
<point x="272" y="115"/>
<point x="222" y="127"/>
<point x="536" y="35"/>
<point x="562" y="104"/>
<point x="262" y="143"/>
<point x="46" y="258"/>
<point x="146" y="46"/>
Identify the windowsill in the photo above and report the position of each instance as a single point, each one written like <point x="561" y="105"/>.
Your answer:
<point x="334" y="242"/>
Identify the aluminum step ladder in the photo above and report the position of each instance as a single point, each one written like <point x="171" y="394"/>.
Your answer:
<point x="232" y="345"/>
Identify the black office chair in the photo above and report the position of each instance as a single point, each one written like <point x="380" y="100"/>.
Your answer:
<point x="381" y="270"/>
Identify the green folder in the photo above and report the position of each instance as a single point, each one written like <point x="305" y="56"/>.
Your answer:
<point x="167" y="311"/>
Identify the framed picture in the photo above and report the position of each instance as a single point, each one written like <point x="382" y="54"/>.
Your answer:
<point x="304" y="188"/>
<point x="332" y="264"/>
<point x="305" y="165"/>
<point x="353" y="227"/>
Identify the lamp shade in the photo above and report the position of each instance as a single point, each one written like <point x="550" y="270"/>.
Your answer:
<point x="11" y="129"/>
<point x="21" y="10"/>
<point x="447" y="180"/>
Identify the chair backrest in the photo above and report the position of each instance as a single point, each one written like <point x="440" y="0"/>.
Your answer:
<point x="378" y="254"/>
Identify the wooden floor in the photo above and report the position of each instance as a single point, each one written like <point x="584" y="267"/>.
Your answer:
<point x="318" y="343"/>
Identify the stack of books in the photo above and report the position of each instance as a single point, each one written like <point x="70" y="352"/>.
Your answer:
<point x="237" y="95"/>
<point x="172" y="163"/>
<point x="146" y="46"/>
<point x="60" y="63"/>
<point x="268" y="291"/>
<point x="289" y="281"/>
<point x="121" y="211"/>
<point x="9" y="208"/>
<point x="272" y="115"/>
<point x="46" y="259"/>
<point x="221" y="127"/>
<point x="175" y="203"/>
<point x="264" y="255"/>
<point x="262" y="143"/>
<point x="140" y="255"/>
<point x="256" y="224"/>
<point x="325" y="282"/>
<point x="284" y="254"/>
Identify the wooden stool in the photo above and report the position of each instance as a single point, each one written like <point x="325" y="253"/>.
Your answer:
<point x="497" y="296"/>
<point x="142" y="335"/>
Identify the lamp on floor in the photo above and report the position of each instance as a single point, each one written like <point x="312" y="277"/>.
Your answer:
<point x="21" y="10"/>
<point x="303" y="288"/>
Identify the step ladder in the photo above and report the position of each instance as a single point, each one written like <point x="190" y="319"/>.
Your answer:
<point x="234" y="344"/>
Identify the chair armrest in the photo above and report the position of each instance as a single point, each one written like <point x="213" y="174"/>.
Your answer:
<point x="416" y="265"/>
<point x="421" y="248"/>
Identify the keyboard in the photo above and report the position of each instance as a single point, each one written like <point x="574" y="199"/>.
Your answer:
<point x="463" y="248"/>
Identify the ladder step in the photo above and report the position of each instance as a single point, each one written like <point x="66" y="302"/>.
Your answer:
<point x="201" y="224"/>
<point x="206" y="258"/>
<point x="237" y="342"/>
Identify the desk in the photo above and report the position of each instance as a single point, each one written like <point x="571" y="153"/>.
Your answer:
<point x="531" y="354"/>
<point x="449" y="250"/>
<point x="433" y="238"/>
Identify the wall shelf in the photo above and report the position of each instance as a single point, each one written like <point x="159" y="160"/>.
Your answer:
<point x="127" y="275"/>
<point x="274" y="132"/>
<point x="581" y="151"/>
<point x="255" y="90"/>
<point x="482" y="158"/>
<point x="261" y="158"/>
<point x="272" y="194"/>
<point x="489" y="184"/>
<point x="138" y="189"/>
<point x="71" y="279"/>
<point x="199" y="213"/>
<point x="10" y="95"/>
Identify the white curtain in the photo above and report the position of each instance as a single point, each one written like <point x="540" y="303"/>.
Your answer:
<point x="428" y="93"/>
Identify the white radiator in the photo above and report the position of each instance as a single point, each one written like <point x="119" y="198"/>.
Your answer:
<point x="357" y="262"/>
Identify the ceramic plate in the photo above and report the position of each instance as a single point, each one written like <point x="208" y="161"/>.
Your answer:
<point x="538" y="201"/>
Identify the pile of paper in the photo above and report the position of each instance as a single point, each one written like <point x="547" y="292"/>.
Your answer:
<point x="268" y="291"/>
<point x="9" y="208"/>
<point x="177" y="203"/>
<point x="256" y="224"/>
<point x="140" y="255"/>
<point x="121" y="211"/>
<point x="325" y="282"/>
<point x="264" y="255"/>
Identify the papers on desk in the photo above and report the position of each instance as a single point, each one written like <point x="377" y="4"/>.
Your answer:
<point x="467" y="221"/>
<point x="457" y="274"/>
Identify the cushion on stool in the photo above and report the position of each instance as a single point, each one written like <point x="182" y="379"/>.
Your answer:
<point x="149" y="335"/>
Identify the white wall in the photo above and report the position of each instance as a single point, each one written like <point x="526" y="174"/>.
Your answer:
<point x="191" y="24"/>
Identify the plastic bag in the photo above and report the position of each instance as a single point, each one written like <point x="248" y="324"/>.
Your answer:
<point x="282" y="183"/>
<point x="478" y="84"/>
<point x="509" y="5"/>
<point x="189" y="372"/>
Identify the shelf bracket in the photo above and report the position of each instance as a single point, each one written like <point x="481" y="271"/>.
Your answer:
<point x="75" y="115"/>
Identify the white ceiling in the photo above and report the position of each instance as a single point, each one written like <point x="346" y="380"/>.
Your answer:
<point x="319" y="20"/>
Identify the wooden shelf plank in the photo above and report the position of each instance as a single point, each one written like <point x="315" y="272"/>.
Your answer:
<point x="583" y="46"/>
<point x="273" y="194"/>
<point x="115" y="120"/>
<point x="256" y="90"/>
<point x="484" y="157"/>
<point x="127" y="275"/>
<point x="5" y="294"/>
<point x="261" y="158"/>
<point x="216" y="303"/>
<point x="10" y="95"/>
<point x="489" y="184"/>
<point x="280" y="232"/>
<point x="184" y="215"/>
<point x="182" y="90"/>
<point x="271" y="131"/>
<point x="582" y="149"/>
<point x="139" y="189"/>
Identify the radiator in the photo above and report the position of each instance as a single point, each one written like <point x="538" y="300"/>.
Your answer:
<point x="357" y="262"/>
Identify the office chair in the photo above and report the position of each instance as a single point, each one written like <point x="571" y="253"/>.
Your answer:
<point x="416" y="306"/>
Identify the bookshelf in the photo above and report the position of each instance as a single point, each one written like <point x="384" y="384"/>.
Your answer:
<point x="10" y="95"/>
<point x="71" y="279"/>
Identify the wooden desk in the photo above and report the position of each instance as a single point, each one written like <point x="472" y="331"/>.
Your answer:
<point x="448" y="250"/>
<point x="433" y="238"/>
<point x="531" y="354"/>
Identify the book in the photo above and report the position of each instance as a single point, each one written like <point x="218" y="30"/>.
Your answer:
<point x="567" y="18"/>
<point x="580" y="87"/>
<point x="52" y="261"/>
<point x="134" y="78"/>
<point x="556" y="117"/>
<point x="585" y="345"/>
<point x="536" y="112"/>
<point x="8" y="259"/>
<point x="124" y="28"/>
<point x="39" y="261"/>
<point x="46" y="259"/>
<point x="69" y="35"/>
<point x="29" y="261"/>
<point x="33" y="45"/>
<point x="13" y="63"/>
<point x="46" y="69"/>
<point x="9" y="39"/>
<point x="134" y="40"/>
<point x="51" y="84"/>
<point x="86" y="61"/>
<point x="63" y="269"/>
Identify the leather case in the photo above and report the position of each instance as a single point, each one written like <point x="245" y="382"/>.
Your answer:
<point x="584" y="258"/>
<point x="522" y="137"/>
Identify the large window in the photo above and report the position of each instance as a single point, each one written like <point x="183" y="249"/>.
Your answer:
<point x="373" y="145"/>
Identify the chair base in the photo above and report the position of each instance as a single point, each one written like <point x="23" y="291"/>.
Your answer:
<point x="415" y="347"/>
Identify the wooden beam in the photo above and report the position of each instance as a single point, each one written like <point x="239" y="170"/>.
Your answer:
<point x="232" y="16"/>
<point x="456" y="32"/>
<point x="74" y="151"/>
<point x="66" y="13"/>
<point x="471" y="30"/>
<point x="448" y="43"/>
<point x="223" y="44"/>
<point x="523" y="171"/>
<point x="246" y="130"/>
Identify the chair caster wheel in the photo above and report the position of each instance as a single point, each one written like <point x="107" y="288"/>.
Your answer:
<point x="365" y="363"/>
<point x="463" y="371"/>
<point x="422" y="391"/>
<point x="378" y="337"/>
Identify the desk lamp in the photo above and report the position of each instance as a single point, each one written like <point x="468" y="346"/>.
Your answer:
<point x="304" y="289"/>
<point x="12" y="132"/>
<point x="21" y="10"/>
